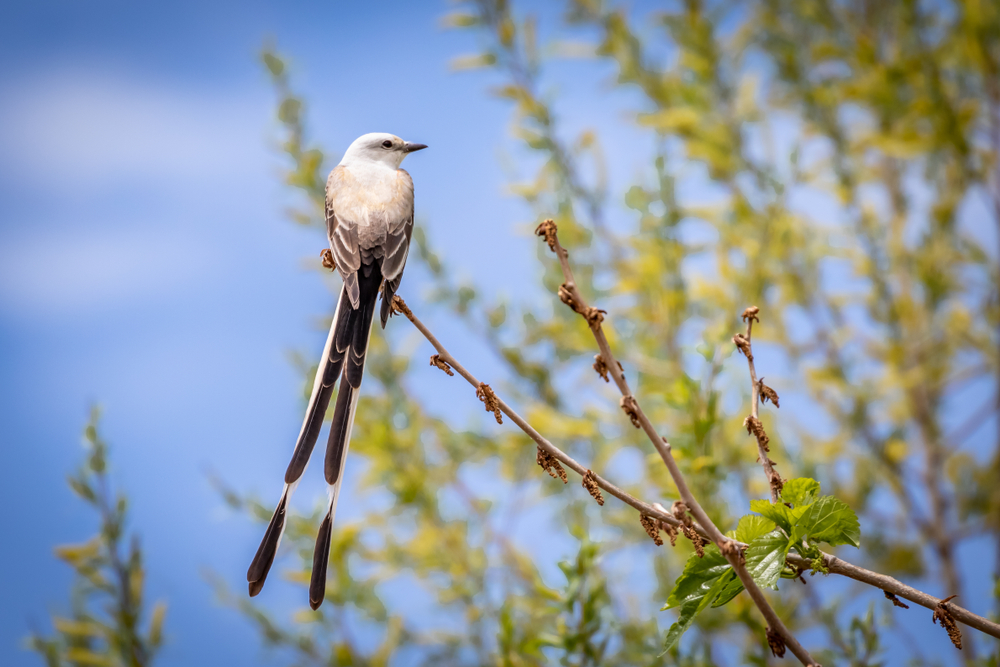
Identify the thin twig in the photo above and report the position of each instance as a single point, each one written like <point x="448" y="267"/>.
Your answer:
<point x="727" y="546"/>
<point x="757" y="387"/>
<point x="443" y="355"/>
<point x="890" y="585"/>
<point x="832" y="563"/>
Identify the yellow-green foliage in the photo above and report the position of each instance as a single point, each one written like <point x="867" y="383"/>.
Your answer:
<point x="109" y="623"/>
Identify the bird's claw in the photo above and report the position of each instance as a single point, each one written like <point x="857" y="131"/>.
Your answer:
<point x="327" y="258"/>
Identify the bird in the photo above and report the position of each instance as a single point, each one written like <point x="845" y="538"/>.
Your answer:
<point x="369" y="221"/>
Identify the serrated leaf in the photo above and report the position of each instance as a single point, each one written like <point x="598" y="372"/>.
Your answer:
<point x="751" y="527"/>
<point x="786" y="517"/>
<point x="698" y="577"/>
<point x="695" y="605"/>
<point x="800" y="491"/>
<point x="777" y="513"/>
<point x="765" y="558"/>
<point x="829" y="520"/>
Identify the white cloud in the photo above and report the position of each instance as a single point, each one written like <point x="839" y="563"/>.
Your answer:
<point x="81" y="126"/>
<point x="93" y="272"/>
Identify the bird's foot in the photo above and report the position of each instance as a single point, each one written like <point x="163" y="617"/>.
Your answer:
<point x="327" y="258"/>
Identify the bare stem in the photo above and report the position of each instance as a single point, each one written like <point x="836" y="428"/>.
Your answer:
<point x="729" y="548"/>
<point x="444" y="356"/>
<point x="898" y="588"/>
<point x="757" y="387"/>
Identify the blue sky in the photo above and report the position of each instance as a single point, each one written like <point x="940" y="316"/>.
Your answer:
<point x="146" y="263"/>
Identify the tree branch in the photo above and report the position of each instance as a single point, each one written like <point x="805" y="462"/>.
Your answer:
<point x="443" y="357"/>
<point x="834" y="564"/>
<point x="896" y="587"/>
<point x="757" y="388"/>
<point x="569" y="294"/>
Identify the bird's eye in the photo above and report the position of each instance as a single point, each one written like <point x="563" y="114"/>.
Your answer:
<point x="386" y="144"/>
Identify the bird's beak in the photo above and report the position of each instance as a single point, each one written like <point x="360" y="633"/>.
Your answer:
<point x="410" y="148"/>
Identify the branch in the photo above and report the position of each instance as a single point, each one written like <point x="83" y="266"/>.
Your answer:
<point x="887" y="584"/>
<point x="758" y="391"/>
<point x="896" y="587"/>
<point x="445" y="361"/>
<point x="569" y="294"/>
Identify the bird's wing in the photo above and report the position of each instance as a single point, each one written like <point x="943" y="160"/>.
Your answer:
<point x="343" y="233"/>
<point x="397" y="244"/>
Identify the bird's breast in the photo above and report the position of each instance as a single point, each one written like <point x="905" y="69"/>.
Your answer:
<point x="375" y="199"/>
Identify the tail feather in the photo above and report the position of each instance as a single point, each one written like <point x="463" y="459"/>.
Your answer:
<point x="261" y="564"/>
<point x="321" y="558"/>
<point x="344" y="355"/>
<point x="355" y="349"/>
<point x="326" y="377"/>
<point x="330" y="367"/>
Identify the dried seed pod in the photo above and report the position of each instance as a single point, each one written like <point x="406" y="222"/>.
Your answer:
<point x="547" y="229"/>
<point x="601" y="367"/>
<point x="895" y="600"/>
<point x="550" y="464"/>
<point x="943" y="613"/>
<point x="767" y="394"/>
<point x="776" y="643"/>
<point x="590" y="484"/>
<point x="631" y="408"/>
<point x="485" y="394"/>
<point x="652" y="529"/>
<point x="438" y="362"/>
<point x="744" y="345"/>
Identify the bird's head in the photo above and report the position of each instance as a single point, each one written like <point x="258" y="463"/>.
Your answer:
<point x="379" y="147"/>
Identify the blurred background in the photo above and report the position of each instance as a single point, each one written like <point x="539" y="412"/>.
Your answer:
<point x="161" y="170"/>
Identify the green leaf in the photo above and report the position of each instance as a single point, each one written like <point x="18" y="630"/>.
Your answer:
<point x="777" y="513"/>
<point x="800" y="491"/>
<point x="274" y="64"/>
<point x="694" y="605"/>
<point x="698" y="577"/>
<point x="765" y="558"/>
<point x="829" y="520"/>
<point x="751" y="527"/>
<point x="156" y="624"/>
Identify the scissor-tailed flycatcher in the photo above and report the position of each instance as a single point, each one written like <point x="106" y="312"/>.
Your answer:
<point x="369" y="219"/>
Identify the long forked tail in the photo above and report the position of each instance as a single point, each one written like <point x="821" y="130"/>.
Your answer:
<point x="344" y="351"/>
<point x="352" y="341"/>
<point x="327" y="373"/>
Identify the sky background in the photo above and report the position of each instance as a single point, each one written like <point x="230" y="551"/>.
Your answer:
<point x="147" y="265"/>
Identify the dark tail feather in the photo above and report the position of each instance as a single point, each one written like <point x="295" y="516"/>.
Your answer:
<point x="340" y="427"/>
<point x="321" y="558"/>
<point x="326" y="377"/>
<point x="261" y="564"/>
<point x="352" y="341"/>
<point x="330" y="366"/>
<point x="388" y="291"/>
